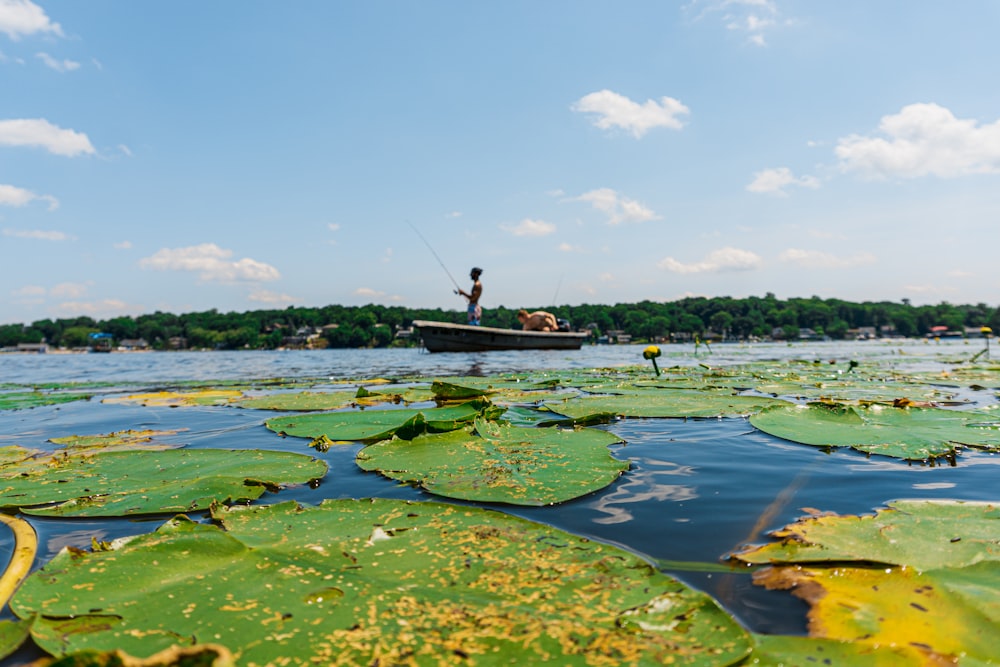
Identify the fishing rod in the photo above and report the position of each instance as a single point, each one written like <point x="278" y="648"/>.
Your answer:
<point x="453" y="282"/>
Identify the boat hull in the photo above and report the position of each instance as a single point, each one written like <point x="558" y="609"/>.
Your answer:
<point x="446" y="337"/>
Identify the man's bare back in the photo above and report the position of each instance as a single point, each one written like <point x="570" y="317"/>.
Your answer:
<point x="539" y="320"/>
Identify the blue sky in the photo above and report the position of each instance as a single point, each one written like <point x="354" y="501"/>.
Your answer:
<point x="187" y="155"/>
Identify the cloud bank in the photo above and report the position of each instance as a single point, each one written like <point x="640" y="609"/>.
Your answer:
<point x="211" y="262"/>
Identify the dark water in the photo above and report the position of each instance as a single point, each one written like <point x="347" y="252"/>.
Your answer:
<point x="697" y="489"/>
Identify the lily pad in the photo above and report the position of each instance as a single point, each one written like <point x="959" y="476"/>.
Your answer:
<point x="175" y="399"/>
<point x="300" y="400"/>
<point x="501" y="463"/>
<point x="33" y="399"/>
<point x="201" y="655"/>
<point x="15" y="453"/>
<point x="127" y="439"/>
<point x="372" y="425"/>
<point x="148" y="482"/>
<point x="890" y="579"/>
<point x="665" y="403"/>
<point x="783" y="651"/>
<point x="906" y="433"/>
<point x="358" y="582"/>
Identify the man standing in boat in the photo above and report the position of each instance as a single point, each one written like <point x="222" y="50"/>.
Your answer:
<point x="475" y="310"/>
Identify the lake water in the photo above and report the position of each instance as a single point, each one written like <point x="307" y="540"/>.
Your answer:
<point x="697" y="489"/>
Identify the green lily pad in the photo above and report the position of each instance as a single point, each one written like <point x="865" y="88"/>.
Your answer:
<point x="300" y="400"/>
<point x="148" y="482"/>
<point x="665" y="403"/>
<point x="33" y="399"/>
<point x="372" y="425"/>
<point x="783" y="651"/>
<point x="906" y="433"/>
<point x="13" y="634"/>
<point x="501" y="463"/>
<point x="925" y="534"/>
<point x="890" y="579"/>
<point x="358" y="582"/>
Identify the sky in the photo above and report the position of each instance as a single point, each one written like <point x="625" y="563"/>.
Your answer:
<point x="244" y="155"/>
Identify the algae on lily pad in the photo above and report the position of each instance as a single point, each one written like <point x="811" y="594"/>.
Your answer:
<point x="892" y="578"/>
<point x="121" y="483"/>
<point x="372" y="425"/>
<point x="501" y="463"/>
<point x="355" y="582"/>
<point x="906" y="433"/>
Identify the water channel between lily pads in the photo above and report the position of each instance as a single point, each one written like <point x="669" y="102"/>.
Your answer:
<point x="697" y="488"/>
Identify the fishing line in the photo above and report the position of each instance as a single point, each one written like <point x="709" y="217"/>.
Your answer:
<point x="453" y="282"/>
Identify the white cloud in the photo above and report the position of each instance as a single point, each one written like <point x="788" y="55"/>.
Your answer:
<point x="39" y="234"/>
<point x="618" y="209"/>
<point x="751" y="17"/>
<point x="267" y="296"/>
<point x="529" y="227"/>
<point x="774" y="181"/>
<point x="717" y="261"/>
<point x="211" y="262"/>
<point x="922" y="140"/>
<point x="815" y="259"/>
<point x="96" y="309"/>
<point x="57" y="65"/>
<point x="69" y="290"/>
<point x="333" y="226"/>
<point x="14" y="196"/>
<point x="367" y="291"/>
<point x="41" y="133"/>
<point x="122" y="245"/>
<point x="614" y="110"/>
<point x="23" y="17"/>
<point x="566" y="247"/>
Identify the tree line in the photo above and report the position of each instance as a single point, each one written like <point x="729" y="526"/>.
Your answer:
<point x="375" y="325"/>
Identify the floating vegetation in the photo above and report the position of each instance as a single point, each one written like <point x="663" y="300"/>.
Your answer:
<point x="913" y="433"/>
<point x="20" y="400"/>
<point x="230" y="580"/>
<point x="500" y="463"/>
<point x="350" y="581"/>
<point x="175" y="399"/>
<point x="123" y="483"/>
<point x="118" y="440"/>
<point x="918" y="574"/>
<point x="373" y="425"/>
<point x="664" y="403"/>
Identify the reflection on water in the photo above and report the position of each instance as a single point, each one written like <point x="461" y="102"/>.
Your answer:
<point x="642" y="484"/>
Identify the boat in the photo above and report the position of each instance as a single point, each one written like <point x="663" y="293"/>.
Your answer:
<point x="447" y="337"/>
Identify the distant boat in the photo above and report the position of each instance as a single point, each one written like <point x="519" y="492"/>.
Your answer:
<point x="101" y="342"/>
<point x="447" y="337"/>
